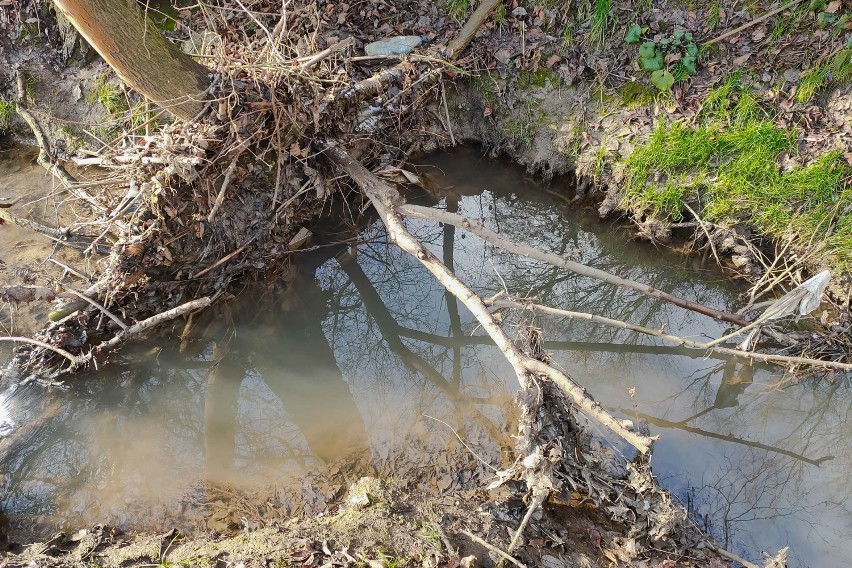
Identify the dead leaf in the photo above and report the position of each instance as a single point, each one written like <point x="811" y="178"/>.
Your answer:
<point x="552" y="60"/>
<point x="833" y="7"/>
<point x="738" y="61"/>
<point x="594" y="537"/>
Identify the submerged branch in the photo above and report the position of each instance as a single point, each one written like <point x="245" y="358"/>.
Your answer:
<point x="385" y="199"/>
<point x="663" y="423"/>
<point x="478" y="228"/>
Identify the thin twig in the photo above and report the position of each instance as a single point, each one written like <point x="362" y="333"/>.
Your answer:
<point x="763" y="357"/>
<point x="752" y="23"/>
<point x="105" y="311"/>
<point x="72" y="358"/>
<point x="494" y="549"/>
<point x="313" y="60"/>
<point x="478" y="228"/>
<point x="225" y="259"/>
<point x="539" y="494"/>
<point x="482" y="461"/>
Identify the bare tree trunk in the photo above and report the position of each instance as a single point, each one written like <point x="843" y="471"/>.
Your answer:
<point x="144" y="59"/>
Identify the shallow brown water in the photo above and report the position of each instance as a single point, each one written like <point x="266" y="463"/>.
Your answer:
<point x="335" y="379"/>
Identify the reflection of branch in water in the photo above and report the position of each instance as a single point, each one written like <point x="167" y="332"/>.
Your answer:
<point x="448" y="247"/>
<point x="554" y="345"/>
<point x="389" y="329"/>
<point x="663" y="423"/>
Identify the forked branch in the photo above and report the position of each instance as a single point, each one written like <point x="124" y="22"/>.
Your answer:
<point x="386" y="199"/>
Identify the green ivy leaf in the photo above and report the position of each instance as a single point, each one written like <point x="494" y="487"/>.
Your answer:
<point x="691" y="49"/>
<point x="647" y="49"/>
<point x="817" y="5"/>
<point x="688" y="63"/>
<point x="677" y="34"/>
<point x="824" y="19"/>
<point x="687" y="36"/>
<point x="662" y="79"/>
<point x="633" y="34"/>
<point x="654" y="63"/>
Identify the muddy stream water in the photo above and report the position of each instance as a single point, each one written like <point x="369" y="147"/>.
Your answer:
<point x="342" y="375"/>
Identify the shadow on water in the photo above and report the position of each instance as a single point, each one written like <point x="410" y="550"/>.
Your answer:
<point x="294" y="394"/>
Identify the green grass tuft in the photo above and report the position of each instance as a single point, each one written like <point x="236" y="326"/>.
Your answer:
<point x="600" y="21"/>
<point x="810" y="82"/>
<point x="457" y="8"/>
<point x="835" y="72"/>
<point x="7" y="109"/>
<point x="731" y="162"/>
<point x="108" y="95"/>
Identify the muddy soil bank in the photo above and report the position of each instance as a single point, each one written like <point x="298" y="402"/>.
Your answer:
<point x="581" y="131"/>
<point x="378" y="523"/>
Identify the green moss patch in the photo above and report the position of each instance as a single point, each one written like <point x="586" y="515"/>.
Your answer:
<point x="729" y="163"/>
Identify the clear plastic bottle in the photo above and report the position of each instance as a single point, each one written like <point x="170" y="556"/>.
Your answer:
<point x="399" y="45"/>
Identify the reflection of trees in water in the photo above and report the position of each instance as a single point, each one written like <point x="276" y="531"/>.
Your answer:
<point x="781" y="456"/>
<point x="745" y="481"/>
<point x="382" y="339"/>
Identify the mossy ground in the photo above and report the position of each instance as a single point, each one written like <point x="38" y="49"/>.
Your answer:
<point x="730" y="165"/>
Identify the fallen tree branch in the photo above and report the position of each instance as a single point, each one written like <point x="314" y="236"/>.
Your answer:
<point x="478" y="228"/>
<point x="494" y="549"/>
<point x="386" y="200"/>
<point x="468" y="31"/>
<point x="763" y="357"/>
<point x="79" y="361"/>
<point x="731" y="556"/>
<point x="60" y="236"/>
<point x="72" y="358"/>
<point x="8" y="217"/>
